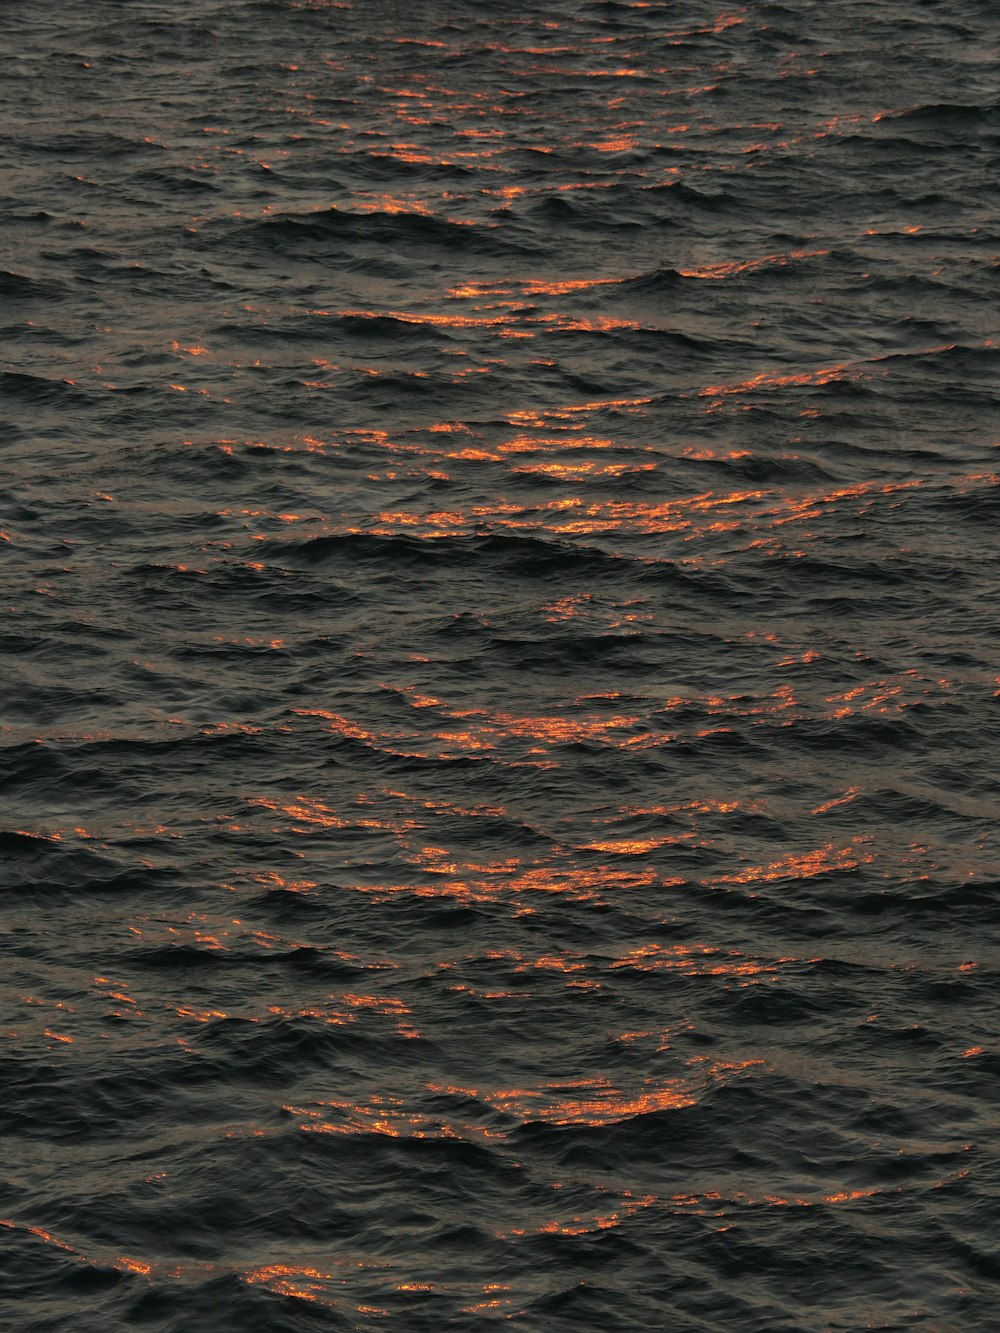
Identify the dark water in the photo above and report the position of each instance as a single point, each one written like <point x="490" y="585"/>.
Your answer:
<point x="500" y="751"/>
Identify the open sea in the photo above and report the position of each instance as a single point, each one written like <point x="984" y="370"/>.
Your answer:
<point x="501" y="584"/>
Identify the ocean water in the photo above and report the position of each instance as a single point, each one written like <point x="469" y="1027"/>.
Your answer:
<point x="500" y="745"/>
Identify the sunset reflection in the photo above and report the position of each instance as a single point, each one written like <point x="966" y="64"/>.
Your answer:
<point x="501" y="562"/>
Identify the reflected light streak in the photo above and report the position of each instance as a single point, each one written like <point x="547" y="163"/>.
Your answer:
<point x="805" y="865"/>
<point x="703" y="961"/>
<point x="732" y="268"/>
<point x="597" y="1102"/>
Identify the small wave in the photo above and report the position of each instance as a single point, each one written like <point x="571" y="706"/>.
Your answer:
<point x="314" y="233"/>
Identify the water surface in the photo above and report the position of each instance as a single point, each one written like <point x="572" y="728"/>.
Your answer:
<point x="500" y="521"/>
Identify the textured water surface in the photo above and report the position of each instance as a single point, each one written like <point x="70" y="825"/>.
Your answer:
<point x="500" y="532"/>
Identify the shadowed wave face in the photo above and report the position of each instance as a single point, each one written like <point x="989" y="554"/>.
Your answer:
<point x="500" y="522"/>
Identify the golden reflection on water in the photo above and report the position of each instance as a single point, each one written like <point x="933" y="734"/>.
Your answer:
<point x="731" y="268"/>
<point x="562" y="470"/>
<point x="596" y="1102"/>
<point x="755" y="514"/>
<point x="805" y="865"/>
<point x="710" y="1203"/>
<point x="327" y="1281"/>
<point x="703" y="961"/>
<point x="300" y="1282"/>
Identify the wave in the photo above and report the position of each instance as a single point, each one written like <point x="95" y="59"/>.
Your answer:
<point x="312" y="234"/>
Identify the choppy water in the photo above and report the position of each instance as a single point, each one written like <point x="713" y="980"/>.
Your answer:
<point x="500" y="754"/>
